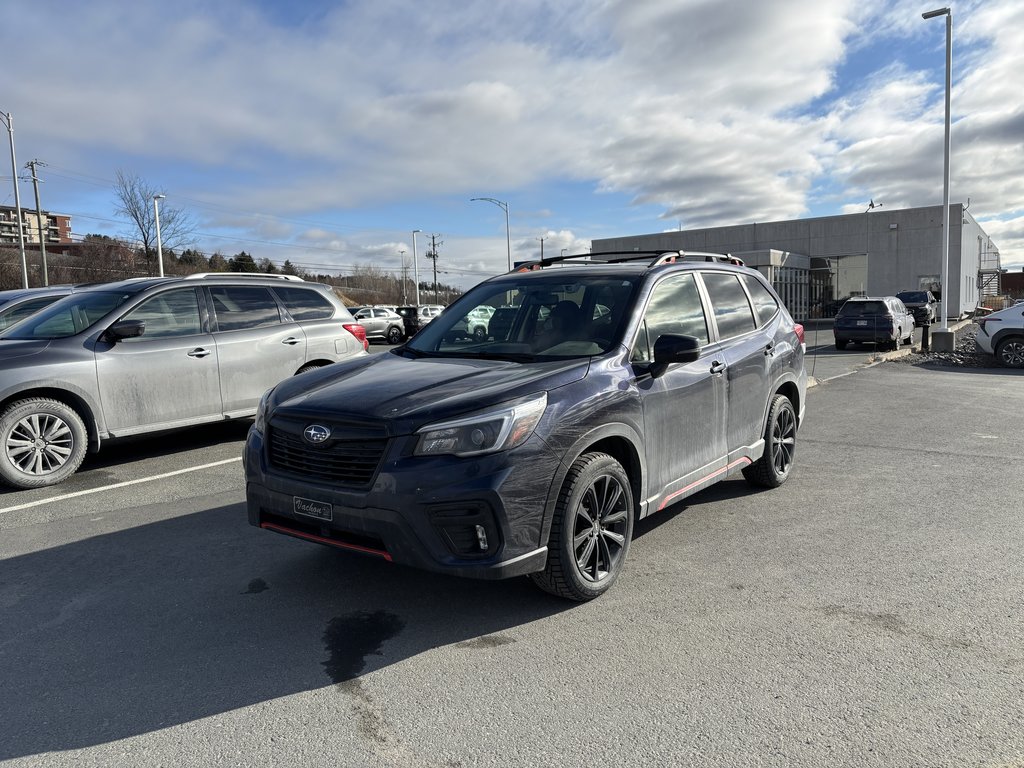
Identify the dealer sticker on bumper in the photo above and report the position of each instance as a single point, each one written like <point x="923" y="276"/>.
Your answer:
<point x="321" y="510"/>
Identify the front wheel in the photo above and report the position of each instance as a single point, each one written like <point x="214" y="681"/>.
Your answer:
<point x="591" y="530"/>
<point x="44" y="443"/>
<point x="1011" y="353"/>
<point x="772" y="469"/>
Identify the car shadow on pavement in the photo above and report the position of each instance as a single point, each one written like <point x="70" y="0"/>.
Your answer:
<point x="726" y="490"/>
<point x="165" y="623"/>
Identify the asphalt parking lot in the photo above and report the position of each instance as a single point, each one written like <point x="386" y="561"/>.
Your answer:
<point x="866" y="613"/>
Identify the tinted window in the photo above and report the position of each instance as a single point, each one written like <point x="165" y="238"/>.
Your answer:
<point x="765" y="305"/>
<point x="68" y="316"/>
<point x="675" y="307"/>
<point x="729" y="303"/>
<point x="860" y="308"/>
<point x="11" y="315"/>
<point x="913" y="296"/>
<point x="173" y="313"/>
<point x="305" y="304"/>
<point x="239" y="307"/>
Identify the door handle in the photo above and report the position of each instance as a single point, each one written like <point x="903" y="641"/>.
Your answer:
<point x="199" y="352"/>
<point x="717" y="368"/>
<point x="291" y="341"/>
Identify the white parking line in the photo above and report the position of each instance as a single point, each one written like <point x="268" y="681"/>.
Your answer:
<point x="117" y="485"/>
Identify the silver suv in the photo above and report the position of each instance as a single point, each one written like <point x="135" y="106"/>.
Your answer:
<point x="144" y="355"/>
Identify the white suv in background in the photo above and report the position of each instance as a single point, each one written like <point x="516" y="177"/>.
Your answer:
<point x="1002" y="334"/>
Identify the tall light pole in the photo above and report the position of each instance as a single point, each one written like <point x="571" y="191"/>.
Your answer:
<point x="9" y="122"/>
<point x="416" y="266"/>
<point x="945" y="173"/>
<point x="159" y="246"/>
<point x="401" y="254"/>
<point x="508" y="234"/>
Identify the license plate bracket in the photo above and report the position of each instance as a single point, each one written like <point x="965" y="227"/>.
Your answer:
<point x="321" y="510"/>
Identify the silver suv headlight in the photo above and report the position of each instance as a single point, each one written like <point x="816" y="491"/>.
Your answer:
<point x="260" y="424"/>
<point x="496" y="429"/>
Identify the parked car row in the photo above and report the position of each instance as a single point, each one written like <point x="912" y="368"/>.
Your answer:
<point x="151" y="354"/>
<point x="394" y="324"/>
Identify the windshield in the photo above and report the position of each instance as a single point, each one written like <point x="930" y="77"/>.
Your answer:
<point x="69" y="316"/>
<point x="538" y="317"/>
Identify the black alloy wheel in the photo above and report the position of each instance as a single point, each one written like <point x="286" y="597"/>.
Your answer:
<point x="591" y="530"/>
<point x="775" y="464"/>
<point x="1010" y="352"/>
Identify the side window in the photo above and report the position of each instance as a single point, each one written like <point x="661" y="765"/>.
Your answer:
<point x="305" y="304"/>
<point x="14" y="314"/>
<point x="729" y="303"/>
<point x="172" y="313"/>
<point x="675" y="307"/>
<point x="238" y="307"/>
<point x="765" y="305"/>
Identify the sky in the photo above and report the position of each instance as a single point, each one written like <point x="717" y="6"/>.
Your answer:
<point x="324" y="133"/>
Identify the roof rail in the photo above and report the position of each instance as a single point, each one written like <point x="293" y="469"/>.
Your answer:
<point x="656" y="258"/>
<point x="272" y="276"/>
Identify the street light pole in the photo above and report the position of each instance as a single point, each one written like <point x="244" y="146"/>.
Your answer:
<point x="159" y="247"/>
<point x="416" y="266"/>
<point x="945" y="177"/>
<point x="508" y="234"/>
<point x="9" y="121"/>
<point x="401" y="254"/>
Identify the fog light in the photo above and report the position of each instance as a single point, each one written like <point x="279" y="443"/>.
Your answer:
<point x="481" y="538"/>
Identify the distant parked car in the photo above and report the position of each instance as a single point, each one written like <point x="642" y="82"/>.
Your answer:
<point x="415" y="317"/>
<point x="149" y="355"/>
<point x="473" y="325"/>
<point x="1002" y="334"/>
<point x="17" y="304"/>
<point x="922" y="304"/>
<point x="881" y="320"/>
<point x="381" y="324"/>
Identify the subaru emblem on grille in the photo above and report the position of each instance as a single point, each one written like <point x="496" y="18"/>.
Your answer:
<point x="315" y="433"/>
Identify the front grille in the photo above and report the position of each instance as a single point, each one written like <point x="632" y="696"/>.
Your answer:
<point x="345" y="460"/>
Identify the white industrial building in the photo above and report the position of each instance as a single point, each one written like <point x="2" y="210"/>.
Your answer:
<point x="817" y="263"/>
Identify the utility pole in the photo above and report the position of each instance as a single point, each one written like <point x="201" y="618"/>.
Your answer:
<point x="434" y="242"/>
<point x="39" y="218"/>
<point x="542" y="239"/>
<point x="9" y="122"/>
<point x="404" y="276"/>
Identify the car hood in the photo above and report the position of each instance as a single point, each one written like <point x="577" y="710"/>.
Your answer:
<point x="392" y="388"/>
<point x="11" y="349"/>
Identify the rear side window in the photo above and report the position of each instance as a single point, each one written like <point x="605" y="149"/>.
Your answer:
<point x="305" y="304"/>
<point x="238" y="307"/>
<point x="729" y="303"/>
<point x="765" y="305"/>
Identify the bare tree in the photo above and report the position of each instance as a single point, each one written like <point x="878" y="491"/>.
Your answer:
<point x="135" y="203"/>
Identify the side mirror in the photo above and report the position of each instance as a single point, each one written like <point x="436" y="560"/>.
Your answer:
<point x="125" y="329"/>
<point x="670" y="348"/>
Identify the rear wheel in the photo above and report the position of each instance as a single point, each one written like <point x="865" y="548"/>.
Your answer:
<point x="309" y="367"/>
<point x="480" y="333"/>
<point x="44" y="443"/>
<point x="1010" y="352"/>
<point x="395" y="335"/>
<point x="840" y="343"/>
<point x="591" y="530"/>
<point x="772" y="469"/>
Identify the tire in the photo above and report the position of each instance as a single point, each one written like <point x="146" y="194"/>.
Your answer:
<point x="591" y="530"/>
<point x="840" y="344"/>
<point x="480" y="333"/>
<point x="395" y="335"/>
<point x="1010" y="352"/>
<point x="309" y="367"/>
<point x="42" y="442"/>
<point x="775" y="464"/>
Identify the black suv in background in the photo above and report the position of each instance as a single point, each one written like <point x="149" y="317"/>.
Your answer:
<point x="601" y="393"/>
<point x="922" y="304"/>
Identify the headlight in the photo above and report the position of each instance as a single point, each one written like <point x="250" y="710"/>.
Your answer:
<point x="261" y="412"/>
<point x="496" y="429"/>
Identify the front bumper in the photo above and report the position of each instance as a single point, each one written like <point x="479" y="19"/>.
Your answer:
<point x="425" y="512"/>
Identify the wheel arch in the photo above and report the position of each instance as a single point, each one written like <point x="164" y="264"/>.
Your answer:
<point x="77" y="402"/>
<point x="618" y="441"/>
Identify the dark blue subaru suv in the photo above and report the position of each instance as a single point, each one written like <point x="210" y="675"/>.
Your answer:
<point x="605" y="388"/>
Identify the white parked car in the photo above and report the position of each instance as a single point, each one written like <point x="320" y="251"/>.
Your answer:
<point x="1002" y="334"/>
